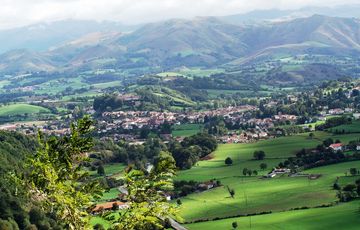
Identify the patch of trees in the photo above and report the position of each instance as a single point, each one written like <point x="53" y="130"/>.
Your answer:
<point x="334" y="121"/>
<point x="310" y="158"/>
<point x="107" y="103"/>
<point x="186" y="153"/>
<point x="183" y="188"/>
<point x="349" y="192"/>
<point x="191" y="149"/>
<point x="14" y="214"/>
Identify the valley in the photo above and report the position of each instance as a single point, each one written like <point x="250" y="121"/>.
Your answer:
<point x="248" y="121"/>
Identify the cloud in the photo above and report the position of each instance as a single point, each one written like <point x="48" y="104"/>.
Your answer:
<point x="22" y="12"/>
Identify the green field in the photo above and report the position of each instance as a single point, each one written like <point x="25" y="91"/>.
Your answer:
<point x="113" y="169"/>
<point x="186" y="130"/>
<point x="111" y="194"/>
<point x="343" y="216"/>
<point x="253" y="194"/>
<point x="20" y="109"/>
<point x="350" y="128"/>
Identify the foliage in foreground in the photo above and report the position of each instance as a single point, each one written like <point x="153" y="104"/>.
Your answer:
<point x="148" y="207"/>
<point x="56" y="179"/>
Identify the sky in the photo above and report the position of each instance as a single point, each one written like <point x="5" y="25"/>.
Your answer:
<point x="15" y="13"/>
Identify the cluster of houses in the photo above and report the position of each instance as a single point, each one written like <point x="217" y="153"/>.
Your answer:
<point x="244" y="137"/>
<point x="341" y="147"/>
<point x="278" y="171"/>
<point x="28" y="128"/>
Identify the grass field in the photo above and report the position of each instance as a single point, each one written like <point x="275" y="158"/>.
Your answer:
<point x="115" y="169"/>
<point x="253" y="194"/>
<point x="350" y="128"/>
<point x="186" y="130"/>
<point x="19" y="109"/>
<point x="111" y="194"/>
<point x="343" y="216"/>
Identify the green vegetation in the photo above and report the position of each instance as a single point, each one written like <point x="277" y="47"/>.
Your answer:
<point x="186" y="130"/>
<point x="344" y="215"/>
<point x="252" y="193"/>
<point x="20" y="109"/>
<point x="354" y="127"/>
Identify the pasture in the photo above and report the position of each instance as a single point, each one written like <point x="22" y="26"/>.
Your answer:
<point x="354" y="127"/>
<point x="21" y="109"/>
<point x="186" y="130"/>
<point x="253" y="194"/>
<point x="343" y="216"/>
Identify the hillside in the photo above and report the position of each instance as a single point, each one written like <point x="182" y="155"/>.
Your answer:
<point x="206" y="42"/>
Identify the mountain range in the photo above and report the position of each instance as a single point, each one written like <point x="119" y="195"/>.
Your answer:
<point x="202" y="41"/>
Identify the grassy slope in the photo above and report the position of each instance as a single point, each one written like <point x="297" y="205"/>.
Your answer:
<point x="344" y="216"/>
<point x="252" y="193"/>
<point x="186" y="130"/>
<point x="18" y="109"/>
<point x="351" y="128"/>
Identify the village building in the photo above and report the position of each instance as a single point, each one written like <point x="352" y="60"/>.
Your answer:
<point x="356" y="116"/>
<point x="336" y="111"/>
<point x="336" y="147"/>
<point x="109" y="206"/>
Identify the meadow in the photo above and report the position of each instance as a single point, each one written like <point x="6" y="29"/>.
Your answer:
<point x="186" y="130"/>
<point x="343" y="216"/>
<point x="254" y="194"/>
<point x="20" y="109"/>
<point x="354" y="127"/>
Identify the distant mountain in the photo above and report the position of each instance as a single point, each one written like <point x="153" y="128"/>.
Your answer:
<point x="206" y="41"/>
<point x="257" y="16"/>
<point x="313" y="35"/>
<point x="25" y="61"/>
<point x="41" y="37"/>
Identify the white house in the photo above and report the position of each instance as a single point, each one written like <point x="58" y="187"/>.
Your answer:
<point x="356" y="116"/>
<point x="358" y="148"/>
<point x="336" y="147"/>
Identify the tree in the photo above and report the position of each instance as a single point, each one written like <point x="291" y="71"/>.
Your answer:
<point x="328" y="142"/>
<point x="263" y="166"/>
<point x="148" y="208"/>
<point x="179" y="202"/>
<point x="56" y="177"/>
<point x="231" y="192"/>
<point x="101" y="170"/>
<point x="249" y="172"/>
<point x="234" y="225"/>
<point x="353" y="171"/>
<point x="228" y="161"/>
<point x="245" y="170"/>
<point x="259" y="155"/>
<point x="311" y="135"/>
<point x="255" y="173"/>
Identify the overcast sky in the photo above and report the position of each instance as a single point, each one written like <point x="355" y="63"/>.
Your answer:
<point x="15" y="13"/>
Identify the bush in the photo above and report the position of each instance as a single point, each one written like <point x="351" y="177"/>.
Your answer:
<point x="228" y="161"/>
<point x="259" y="155"/>
<point x="234" y="224"/>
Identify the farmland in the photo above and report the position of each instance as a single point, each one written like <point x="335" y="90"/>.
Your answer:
<point x="20" y="109"/>
<point x="344" y="215"/>
<point x="255" y="195"/>
<point x="186" y="130"/>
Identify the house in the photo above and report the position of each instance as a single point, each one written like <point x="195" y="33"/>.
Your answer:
<point x="336" y="111"/>
<point x="271" y="175"/>
<point x="358" y="148"/>
<point x="356" y="116"/>
<point x="206" y="185"/>
<point x="109" y="206"/>
<point x="336" y="147"/>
